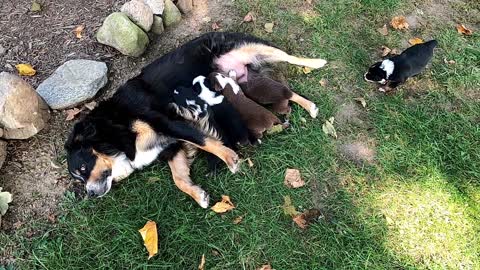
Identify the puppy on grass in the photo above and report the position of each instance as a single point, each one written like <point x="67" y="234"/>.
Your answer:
<point x="396" y="70"/>
<point x="257" y="118"/>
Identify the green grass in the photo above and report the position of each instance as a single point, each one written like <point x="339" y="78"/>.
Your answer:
<point x="417" y="207"/>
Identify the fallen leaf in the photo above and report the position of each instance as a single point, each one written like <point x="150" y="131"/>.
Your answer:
<point x="250" y="162"/>
<point x="25" y="70"/>
<point x="323" y="82"/>
<point x="395" y="51"/>
<point x="5" y="199"/>
<point x="303" y="120"/>
<point x="265" y="267"/>
<point x="415" y="41"/>
<point x="55" y="165"/>
<point x="206" y="19"/>
<point x="288" y="208"/>
<point x="215" y="252"/>
<point x="249" y="17"/>
<point x="150" y="237"/>
<point x="269" y="27"/>
<point x="449" y="62"/>
<point x="328" y="128"/>
<point x="293" y="179"/>
<point x="275" y="129"/>
<point x="35" y="6"/>
<point x="215" y="26"/>
<point x="79" y="31"/>
<point x="383" y="30"/>
<point x="91" y="105"/>
<point x="302" y="220"/>
<point x="306" y="70"/>
<point x="71" y="113"/>
<point x="389" y="220"/>
<point x="385" y="51"/>
<point x="238" y="220"/>
<point x="464" y="30"/>
<point x="362" y="101"/>
<point x="52" y="218"/>
<point x="399" y="22"/>
<point x="201" y="266"/>
<point x="223" y="206"/>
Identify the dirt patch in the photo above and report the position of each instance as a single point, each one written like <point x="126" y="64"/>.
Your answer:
<point x="358" y="152"/>
<point x="349" y="114"/>
<point x="35" y="170"/>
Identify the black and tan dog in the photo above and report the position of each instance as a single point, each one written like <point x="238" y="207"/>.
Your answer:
<point x="139" y="124"/>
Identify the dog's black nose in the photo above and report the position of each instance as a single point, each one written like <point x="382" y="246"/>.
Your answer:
<point x="91" y="194"/>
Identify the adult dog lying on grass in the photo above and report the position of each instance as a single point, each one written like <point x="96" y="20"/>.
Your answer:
<point x="140" y="123"/>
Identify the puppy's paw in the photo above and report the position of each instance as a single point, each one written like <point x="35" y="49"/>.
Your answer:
<point x="313" y="110"/>
<point x="316" y="63"/>
<point x="232" y="74"/>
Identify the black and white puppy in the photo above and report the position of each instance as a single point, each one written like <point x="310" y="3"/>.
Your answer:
<point x="396" y="70"/>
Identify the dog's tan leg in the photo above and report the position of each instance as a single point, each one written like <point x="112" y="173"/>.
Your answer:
<point x="217" y="148"/>
<point x="180" y="167"/>
<point x="306" y="104"/>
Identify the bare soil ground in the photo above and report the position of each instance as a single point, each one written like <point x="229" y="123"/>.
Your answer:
<point x="35" y="170"/>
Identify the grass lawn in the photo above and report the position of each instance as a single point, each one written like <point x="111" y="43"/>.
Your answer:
<point x="416" y="207"/>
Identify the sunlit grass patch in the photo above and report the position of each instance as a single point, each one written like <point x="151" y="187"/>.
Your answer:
<point x="428" y="223"/>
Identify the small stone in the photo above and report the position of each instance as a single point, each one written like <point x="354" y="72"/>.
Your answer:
<point x="157" y="26"/>
<point x="185" y="6"/>
<point x="3" y="152"/>
<point x="171" y="14"/>
<point x="122" y="34"/>
<point x="157" y="6"/>
<point x="22" y="112"/>
<point x="139" y="13"/>
<point x="73" y="82"/>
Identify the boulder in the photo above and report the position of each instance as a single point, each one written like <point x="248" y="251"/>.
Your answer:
<point x="157" y="26"/>
<point x="139" y="13"/>
<point x="157" y="6"/>
<point x="3" y="152"/>
<point x="22" y="112"/>
<point x="73" y="83"/>
<point x="185" y="6"/>
<point x="171" y="14"/>
<point x="122" y="34"/>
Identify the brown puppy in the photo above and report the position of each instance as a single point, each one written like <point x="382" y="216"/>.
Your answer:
<point x="265" y="89"/>
<point x="257" y="118"/>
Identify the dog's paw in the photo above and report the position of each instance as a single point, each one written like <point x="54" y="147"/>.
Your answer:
<point x="232" y="74"/>
<point x="232" y="160"/>
<point x="316" y="63"/>
<point x="204" y="200"/>
<point x="313" y="110"/>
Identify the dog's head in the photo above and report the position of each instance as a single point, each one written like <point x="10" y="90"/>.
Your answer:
<point x="220" y="81"/>
<point x="379" y="72"/>
<point x="95" y="155"/>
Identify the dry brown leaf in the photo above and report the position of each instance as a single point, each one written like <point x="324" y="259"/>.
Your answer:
<point x="215" y="26"/>
<point x="395" y="51"/>
<point x="249" y="17"/>
<point x="302" y="220"/>
<point x="385" y="51"/>
<point x="293" y="179"/>
<point x="288" y="208"/>
<point x="464" y="30"/>
<point x="250" y="162"/>
<point x="269" y="27"/>
<point x="79" y="31"/>
<point x="201" y="266"/>
<point x="383" y="30"/>
<point x="362" y="101"/>
<point x="71" y="113"/>
<point x="415" y="41"/>
<point x="306" y="70"/>
<point x="25" y="70"/>
<point x="150" y="237"/>
<point x="223" y="206"/>
<point x="399" y="23"/>
<point x="91" y="105"/>
<point x="265" y="267"/>
<point x="449" y="62"/>
<point x="237" y="220"/>
<point x="323" y="82"/>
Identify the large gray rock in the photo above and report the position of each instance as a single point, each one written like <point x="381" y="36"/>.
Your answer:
<point x="171" y="14"/>
<point x="3" y="152"/>
<point x="139" y="13"/>
<point x="185" y="6"/>
<point x="157" y="6"/>
<point x="157" y="26"/>
<point x="73" y="82"/>
<point x="22" y="112"/>
<point x="122" y="34"/>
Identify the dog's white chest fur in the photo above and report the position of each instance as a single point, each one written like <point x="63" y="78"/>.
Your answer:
<point x="206" y="94"/>
<point x="145" y="158"/>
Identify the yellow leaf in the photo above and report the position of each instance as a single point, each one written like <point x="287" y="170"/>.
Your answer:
<point x="293" y="179"/>
<point x="288" y="208"/>
<point x="35" y="6"/>
<point x="269" y="27"/>
<point x="25" y="70"/>
<point x="250" y="162"/>
<point x="329" y="129"/>
<point x="464" y="30"/>
<point x="323" y="82"/>
<point x="306" y="70"/>
<point x="275" y="129"/>
<point x="238" y="220"/>
<point x="78" y="31"/>
<point x="223" y="206"/>
<point x="201" y="266"/>
<point x="362" y="101"/>
<point x="415" y="41"/>
<point x="383" y="30"/>
<point x="150" y="237"/>
<point x="399" y="22"/>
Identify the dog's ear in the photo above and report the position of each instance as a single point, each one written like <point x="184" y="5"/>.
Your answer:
<point x="82" y="131"/>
